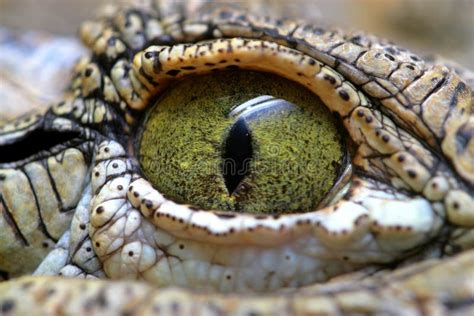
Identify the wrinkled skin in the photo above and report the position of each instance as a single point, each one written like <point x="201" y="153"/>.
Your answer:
<point x="397" y="242"/>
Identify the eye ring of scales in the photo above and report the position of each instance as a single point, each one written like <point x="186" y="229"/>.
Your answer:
<point x="398" y="242"/>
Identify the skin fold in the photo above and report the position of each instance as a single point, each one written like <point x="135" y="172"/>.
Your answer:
<point x="84" y="231"/>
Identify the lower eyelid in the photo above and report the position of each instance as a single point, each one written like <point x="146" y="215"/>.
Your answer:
<point x="345" y="235"/>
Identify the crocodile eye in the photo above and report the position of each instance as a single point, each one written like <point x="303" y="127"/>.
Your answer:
<point x="242" y="141"/>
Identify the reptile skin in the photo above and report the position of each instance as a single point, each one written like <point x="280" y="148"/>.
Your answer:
<point x="78" y="213"/>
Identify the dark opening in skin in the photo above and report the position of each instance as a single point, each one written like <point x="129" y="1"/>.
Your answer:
<point x="34" y="142"/>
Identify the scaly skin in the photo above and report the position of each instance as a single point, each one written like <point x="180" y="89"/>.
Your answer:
<point x="83" y="209"/>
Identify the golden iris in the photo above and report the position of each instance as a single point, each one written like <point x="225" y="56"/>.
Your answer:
<point x="241" y="141"/>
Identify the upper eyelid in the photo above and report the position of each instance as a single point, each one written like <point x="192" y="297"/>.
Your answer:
<point x="389" y="75"/>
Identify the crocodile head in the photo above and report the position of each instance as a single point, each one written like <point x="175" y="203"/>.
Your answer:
<point x="84" y="194"/>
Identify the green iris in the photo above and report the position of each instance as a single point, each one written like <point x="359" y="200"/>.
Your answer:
<point x="241" y="141"/>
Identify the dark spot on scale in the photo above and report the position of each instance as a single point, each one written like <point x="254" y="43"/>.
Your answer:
<point x="369" y="119"/>
<point x="225" y="216"/>
<point x="329" y="78"/>
<point x="111" y="41"/>
<point x="220" y="50"/>
<point x="411" y="67"/>
<point x="114" y="165"/>
<point x="434" y="185"/>
<point x="130" y="253"/>
<point x="311" y="62"/>
<point x="390" y="57"/>
<point x="106" y="149"/>
<point x="8" y="305"/>
<point x="188" y="68"/>
<point x="414" y="58"/>
<point x="130" y="188"/>
<point x="223" y="61"/>
<point x="356" y="40"/>
<point x="97" y="244"/>
<point x="88" y="249"/>
<point x="411" y="174"/>
<point x="148" y="204"/>
<point x="88" y="72"/>
<point x="237" y="60"/>
<point x="391" y="50"/>
<point x="82" y="226"/>
<point x="173" y="72"/>
<point x="149" y="55"/>
<point x="463" y="135"/>
<point x="401" y="158"/>
<point x="385" y="138"/>
<point x="2" y="177"/>
<point x="232" y="67"/>
<point x="209" y="64"/>
<point x="181" y="246"/>
<point x="225" y="14"/>
<point x="99" y="210"/>
<point x="456" y="205"/>
<point x="120" y="187"/>
<point x="136" y="194"/>
<point x="45" y="244"/>
<point x="228" y="277"/>
<point x="344" y="95"/>
<point x="360" y="113"/>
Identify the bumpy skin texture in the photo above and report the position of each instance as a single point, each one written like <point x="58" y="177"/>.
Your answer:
<point x="410" y="200"/>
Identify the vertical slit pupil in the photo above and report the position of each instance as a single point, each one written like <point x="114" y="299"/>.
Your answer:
<point x="237" y="155"/>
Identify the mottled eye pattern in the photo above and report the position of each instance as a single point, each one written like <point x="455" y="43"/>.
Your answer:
<point x="241" y="141"/>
